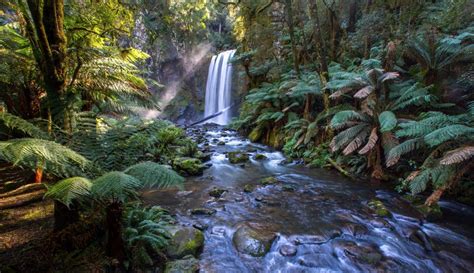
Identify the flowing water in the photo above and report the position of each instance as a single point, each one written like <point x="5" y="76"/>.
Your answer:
<point x="219" y="87"/>
<point x="320" y="220"/>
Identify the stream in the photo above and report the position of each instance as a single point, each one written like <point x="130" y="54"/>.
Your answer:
<point x="316" y="219"/>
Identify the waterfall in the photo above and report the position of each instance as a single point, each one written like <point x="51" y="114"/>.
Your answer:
<point x="218" y="88"/>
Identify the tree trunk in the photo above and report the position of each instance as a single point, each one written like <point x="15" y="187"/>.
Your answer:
<point x="39" y="174"/>
<point x="289" y="13"/>
<point x="45" y="31"/>
<point x="319" y="41"/>
<point x="64" y="216"/>
<point x="115" y="245"/>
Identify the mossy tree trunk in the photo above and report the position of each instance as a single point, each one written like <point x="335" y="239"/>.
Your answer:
<point x="44" y="23"/>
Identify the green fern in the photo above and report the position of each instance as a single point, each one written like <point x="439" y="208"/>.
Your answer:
<point x="69" y="190"/>
<point x="154" y="175"/>
<point x="16" y="123"/>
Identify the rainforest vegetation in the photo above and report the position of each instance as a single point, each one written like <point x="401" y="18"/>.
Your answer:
<point x="97" y="99"/>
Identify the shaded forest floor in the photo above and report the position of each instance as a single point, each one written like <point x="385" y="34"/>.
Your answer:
<point x="23" y="232"/>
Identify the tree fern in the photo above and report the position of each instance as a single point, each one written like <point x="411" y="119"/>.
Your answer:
<point x="115" y="186"/>
<point x="69" y="190"/>
<point x="17" y="123"/>
<point x="459" y="155"/>
<point x="388" y="121"/>
<point x="154" y="175"/>
<point x="50" y="156"/>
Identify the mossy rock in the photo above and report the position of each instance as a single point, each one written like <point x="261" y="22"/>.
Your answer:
<point x="251" y="241"/>
<point x="188" y="264"/>
<point x="188" y="166"/>
<point x="237" y="157"/>
<point x="256" y="134"/>
<point x="185" y="241"/>
<point x="379" y="208"/>
<point x="432" y="213"/>
<point x="217" y="192"/>
<point x="260" y="157"/>
<point x="248" y="188"/>
<point x="268" y="181"/>
<point x="288" y="188"/>
<point x="221" y="143"/>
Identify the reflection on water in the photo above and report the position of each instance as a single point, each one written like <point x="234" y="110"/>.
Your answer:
<point x="317" y="214"/>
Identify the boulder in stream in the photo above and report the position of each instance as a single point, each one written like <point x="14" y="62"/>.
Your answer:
<point x="185" y="241"/>
<point x="188" y="166"/>
<point x="268" y="181"/>
<point x="217" y="192"/>
<point x="188" y="264"/>
<point x="203" y="211"/>
<point x="253" y="241"/>
<point x="260" y="157"/>
<point x="237" y="157"/>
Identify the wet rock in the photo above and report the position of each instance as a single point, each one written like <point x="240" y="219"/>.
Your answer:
<point x="237" y="157"/>
<point x="379" y="208"/>
<point x="260" y="157"/>
<point x="252" y="241"/>
<point x="203" y="211"/>
<point x="288" y="188"/>
<point x="203" y="156"/>
<point x="310" y="240"/>
<point x="421" y="238"/>
<point x="207" y="165"/>
<point x="200" y="226"/>
<point x="239" y="199"/>
<point x="288" y="250"/>
<point x="259" y="198"/>
<point x="183" y="193"/>
<point x="365" y="254"/>
<point x="185" y="241"/>
<point x="355" y="229"/>
<point x="432" y="213"/>
<point x="242" y="166"/>
<point x="188" y="166"/>
<point x="248" y="188"/>
<point x="221" y="143"/>
<point x="268" y="181"/>
<point x="380" y="223"/>
<point x="286" y="161"/>
<point x="217" y="192"/>
<point x="188" y="264"/>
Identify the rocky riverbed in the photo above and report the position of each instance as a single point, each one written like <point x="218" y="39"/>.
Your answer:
<point x="250" y="210"/>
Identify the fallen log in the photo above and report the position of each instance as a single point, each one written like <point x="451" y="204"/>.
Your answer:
<point x="21" y="200"/>
<point x="24" y="189"/>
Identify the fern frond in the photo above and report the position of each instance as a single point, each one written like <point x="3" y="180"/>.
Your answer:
<point x="403" y="148"/>
<point x="17" y="123"/>
<point x="458" y="155"/>
<point x="152" y="174"/>
<point x="69" y="190"/>
<point x="448" y="133"/>
<point x="388" y="121"/>
<point x="371" y="142"/>
<point x="115" y="186"/>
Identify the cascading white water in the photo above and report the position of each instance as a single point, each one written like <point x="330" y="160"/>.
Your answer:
<point x="219" y="86"/>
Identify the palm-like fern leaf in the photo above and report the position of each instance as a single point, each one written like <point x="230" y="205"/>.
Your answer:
<point x="388" y="121"/>
<point x="116" y="186"/>
<point x="69" y="190"/>
<point x="448" y="133"/>
<point x="152" y="174"/>
<point x="458" y="155"/>
<point x="17" y="123"/>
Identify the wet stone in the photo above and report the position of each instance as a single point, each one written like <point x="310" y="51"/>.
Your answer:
<point x="260" y="157"/>
<point x="217" y="192"/>
<point x="237" y="157"/>
<point x="251" y="241"/>
<point x="310" y="240"/>
<point x="268" y="181"/>
<point x="185" y="241"/>
<point x="248" y="188"/>
<point x="288" y="250"/>
<point x="203" y="211"/>
<point x="188" y="264"/>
